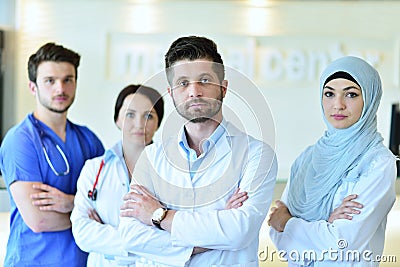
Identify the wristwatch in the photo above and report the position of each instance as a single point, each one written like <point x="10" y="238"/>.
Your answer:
<point x="158" y="215"/>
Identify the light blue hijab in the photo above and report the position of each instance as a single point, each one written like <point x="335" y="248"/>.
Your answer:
<point x="320" y="169"/>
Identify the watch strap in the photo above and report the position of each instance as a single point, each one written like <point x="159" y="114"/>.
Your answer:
<point x="157" y="223"/>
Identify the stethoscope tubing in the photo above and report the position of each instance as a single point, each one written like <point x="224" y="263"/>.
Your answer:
<point x="41" y="134"/>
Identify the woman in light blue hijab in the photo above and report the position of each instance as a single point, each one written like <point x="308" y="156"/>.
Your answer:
<point x="317" y="213"/>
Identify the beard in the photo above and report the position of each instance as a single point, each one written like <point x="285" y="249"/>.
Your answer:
<point x="209" y="108"/>
<point x="47" y="104"/>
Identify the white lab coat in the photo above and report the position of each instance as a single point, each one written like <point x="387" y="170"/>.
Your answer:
<point x="236" y="160"/>
<point x="365" y="233"/>
<point x="102" y="240"/>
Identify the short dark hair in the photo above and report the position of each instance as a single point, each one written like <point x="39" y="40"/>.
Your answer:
<point x="152" y="94"/>
<point x="192" y="48"/>
<point x="52" y="52"/>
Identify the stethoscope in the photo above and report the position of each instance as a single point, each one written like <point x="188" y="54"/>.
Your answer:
<point x="41" y="136"/>
<point x="92" y="194"/>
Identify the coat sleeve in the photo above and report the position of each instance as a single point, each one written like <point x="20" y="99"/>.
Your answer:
<point x="148" y="241"/>
<point x="233" y="229"/>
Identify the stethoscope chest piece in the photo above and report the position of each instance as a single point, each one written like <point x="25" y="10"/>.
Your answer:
<point x="92" y="194"/>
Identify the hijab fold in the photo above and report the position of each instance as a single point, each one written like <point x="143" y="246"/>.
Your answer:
<point x="320" y="170"/>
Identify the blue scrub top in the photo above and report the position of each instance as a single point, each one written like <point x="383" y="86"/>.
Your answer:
<point x="22" y="159"/>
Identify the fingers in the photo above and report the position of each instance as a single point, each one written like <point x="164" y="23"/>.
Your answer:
<point x="236" y="191"/>
<point x="92" y="213"/>
<point x="350" y="197"/>
<point x="348" y="208"/>
<point x="343" y="213"/>
<point x="135" y="196"/>
<point x="349" y="201"/>
<point x="236" y="200"/>
<point x="48" y="208"/>
<point x="279" y="203"/>
<point x="335" y="216"/>
<point x="242" y="197"/>
<point x="236" y="203"/>
<point x="129" y="196"/>
<point x="44" y="187"/>
<point x="128" y="209"/>
<point x="40" y="195"/>
<point x="269" y="220"/>
<point x="273" y="209"/>
<point x="45" y="205"/>
<point x="141" y="190"/>
<point x="279" y="216"/>
<point x="45" y="191"/>
<point x="352" y="204"/>
<point x="128" y="205"/>
<point x="127" y="213"/>
<point x="138" y="190"/>
<point x="43" y="202"/>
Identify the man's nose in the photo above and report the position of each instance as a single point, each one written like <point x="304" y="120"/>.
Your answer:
<point x="195" y="89"/>
<point x="60" y="86"/>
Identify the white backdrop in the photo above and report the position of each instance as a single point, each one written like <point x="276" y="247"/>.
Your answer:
<point x="280" y="46"/>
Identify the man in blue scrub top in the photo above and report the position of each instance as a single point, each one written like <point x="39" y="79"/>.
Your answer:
<point x="40" y="159"/>
<point x="194" y="173"/>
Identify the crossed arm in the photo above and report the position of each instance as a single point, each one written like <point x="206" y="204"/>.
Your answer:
<point x="375" y="191"/>
<point x="144" y="200"/>
<point x="280" y="214"/>
<point x="140" y="204"/>
<point x="228" y="230"/>
<point x="43" y="208"/>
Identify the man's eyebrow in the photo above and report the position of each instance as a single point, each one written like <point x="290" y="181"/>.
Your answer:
<point x="205" y="73"/>
<point x="181" y="77"/>
<point x="54" y="76"/>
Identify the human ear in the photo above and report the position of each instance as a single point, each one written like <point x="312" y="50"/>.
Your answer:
<point x="118" y="123"/>
<point x="224" y="86"/>
<point x="32" y="87"/>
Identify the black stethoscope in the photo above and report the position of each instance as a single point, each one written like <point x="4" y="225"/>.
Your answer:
<point x="41" y="136"/>
<point x="92" y="194"/>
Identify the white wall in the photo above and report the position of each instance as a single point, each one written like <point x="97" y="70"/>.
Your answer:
<point x="109" y="33"/>
<point x="7" y="26"/>
<point x="7" y="11"/>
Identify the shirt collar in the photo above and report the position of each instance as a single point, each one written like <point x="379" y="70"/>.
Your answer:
<point x="114" y="151"/>
<point x="207" y="144"/>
